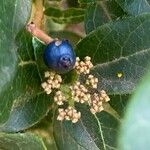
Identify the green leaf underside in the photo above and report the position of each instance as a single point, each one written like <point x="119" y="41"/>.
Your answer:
<point x="135" y="7"/>
<point x="135" y="131"/>
<point x="71" y="15"/>
<point x="100" y="13"/>
<point x="22" y="101"/>
<point x="119" y="47"/>
<point x="20" y="142"/>
<point x="90" y="133"/>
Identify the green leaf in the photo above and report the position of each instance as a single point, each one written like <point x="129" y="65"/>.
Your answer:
<point x="23" y="41"/>
<point x="25" y="104"/>
<point x="135" y="7"/>
<point x="91" y="132"/>
<point x="44" y="130"/>
<point x="22" y="101"/>
<point x="71" y="15"/>
<point x="100" y="13"/>
<point x="119" y="104"/>
<point x="87" y="1"/>
<point x="54" y="0"/>
<point x="135" y="131"/>
<point x="73" y="3"/>
<point x="10" y="23"/>
<point x="21" y="142"/>
<point x="39" y="47"/>
<point x="120" y="51"/>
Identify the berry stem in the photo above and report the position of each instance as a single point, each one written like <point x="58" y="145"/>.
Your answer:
<point x="67" y="92"/>
<point x="71" y="102"/>
<point x="35" y="31"/>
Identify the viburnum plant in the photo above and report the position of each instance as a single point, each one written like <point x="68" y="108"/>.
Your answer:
<point x="70" y="73"/>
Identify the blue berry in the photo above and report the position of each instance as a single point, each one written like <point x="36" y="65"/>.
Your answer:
<point x="60" y="56"/>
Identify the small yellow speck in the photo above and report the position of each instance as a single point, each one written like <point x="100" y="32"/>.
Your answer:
<point x="119" y="74"/>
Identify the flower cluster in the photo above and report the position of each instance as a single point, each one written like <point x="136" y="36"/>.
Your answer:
<point x="103" y="96"/>
<point x="81" y="93"/>
<point x="68" y="114"/>
<point x="53" y="82"/>
<point x="96" y="102"/>
<point x="59" y="98"/>
<point x="83" y="66"/>
<point x="92" y="81"/>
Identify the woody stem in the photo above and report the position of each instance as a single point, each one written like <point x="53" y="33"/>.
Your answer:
<point x="35" y="31"/>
